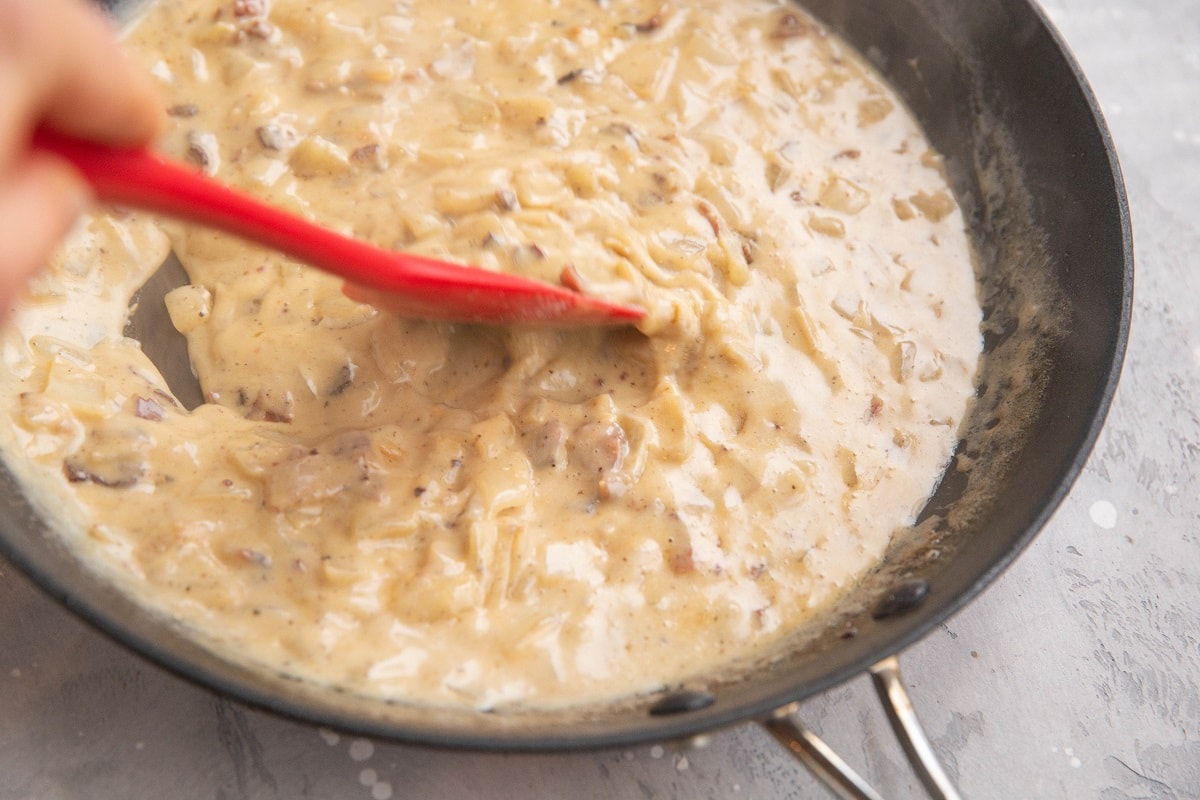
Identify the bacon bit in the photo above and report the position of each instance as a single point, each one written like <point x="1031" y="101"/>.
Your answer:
<point x="249" y="8"/>
<point x="506" y="199"/>
<point x="255" y="557"/>
<point x="612" y="487"/>
<point x="198" y="150"/>
<point x="274" y="137"/>
<point x="619" y="128"/>
<point x="709" y="213"/>
<point x="252" y="19"/>
<point x="260" y="29"/>
<point x="522" y="255"/>
<point x="161" y="395"/>
<point x="373" y="155"/>
<point x="146" y="408"/>
<point x="681" y="562"/>
<point x="653" y="23"/>
<point x="77" y="473"/>
<point x="571" y="278"/>
<point x="876" y="405"/>
<point x="343" y="380"/>
<point x="600" y="447"/>
<point x="851" y="154"/>
<point x="791" y="26"/>
<point x="265" y="408"/>
<point x="758" y="570"/>
<point x="749" y="249"/>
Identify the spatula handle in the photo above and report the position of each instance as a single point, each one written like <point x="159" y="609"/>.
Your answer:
<point x="403" y="282"/>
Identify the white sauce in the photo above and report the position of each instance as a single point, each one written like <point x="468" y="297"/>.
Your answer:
<point x="493" y="517"/>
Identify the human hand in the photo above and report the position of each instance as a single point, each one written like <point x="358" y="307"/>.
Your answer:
<point x="61" y="67"/>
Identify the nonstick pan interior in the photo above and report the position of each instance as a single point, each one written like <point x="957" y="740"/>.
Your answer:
<point x="1035" y="170"/>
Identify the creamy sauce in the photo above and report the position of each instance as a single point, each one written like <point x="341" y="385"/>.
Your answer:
<point x="504" y="516"/>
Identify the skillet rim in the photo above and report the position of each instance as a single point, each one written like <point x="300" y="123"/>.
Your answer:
<point x="228" y="679"/>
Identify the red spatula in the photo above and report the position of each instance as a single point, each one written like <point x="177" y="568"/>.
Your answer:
<point x="404" y="283"/>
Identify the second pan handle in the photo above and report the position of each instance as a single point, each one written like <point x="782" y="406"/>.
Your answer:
<point x="835" y="773"/>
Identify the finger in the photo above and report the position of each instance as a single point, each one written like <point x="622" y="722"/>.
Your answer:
<point x="39" y="200"/>
<point x="61" y="65"/>
<point x="101" y="94"/>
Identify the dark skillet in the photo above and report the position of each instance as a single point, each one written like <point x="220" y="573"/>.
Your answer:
<point x="1033" y="165"/>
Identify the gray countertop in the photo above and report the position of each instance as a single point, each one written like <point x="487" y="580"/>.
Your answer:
<point x="1075" y="675"/>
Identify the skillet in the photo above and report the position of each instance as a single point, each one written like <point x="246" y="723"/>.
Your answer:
<point x="1034" y="167"/>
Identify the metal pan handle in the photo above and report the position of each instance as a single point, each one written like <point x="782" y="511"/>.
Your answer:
<point x="835" y="773"/>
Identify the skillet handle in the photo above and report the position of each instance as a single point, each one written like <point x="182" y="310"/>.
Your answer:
<point x="835" y="773"/>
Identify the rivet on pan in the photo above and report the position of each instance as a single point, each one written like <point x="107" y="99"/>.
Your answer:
<point x="902" y="599"/>
<point x="682" y="701"/>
